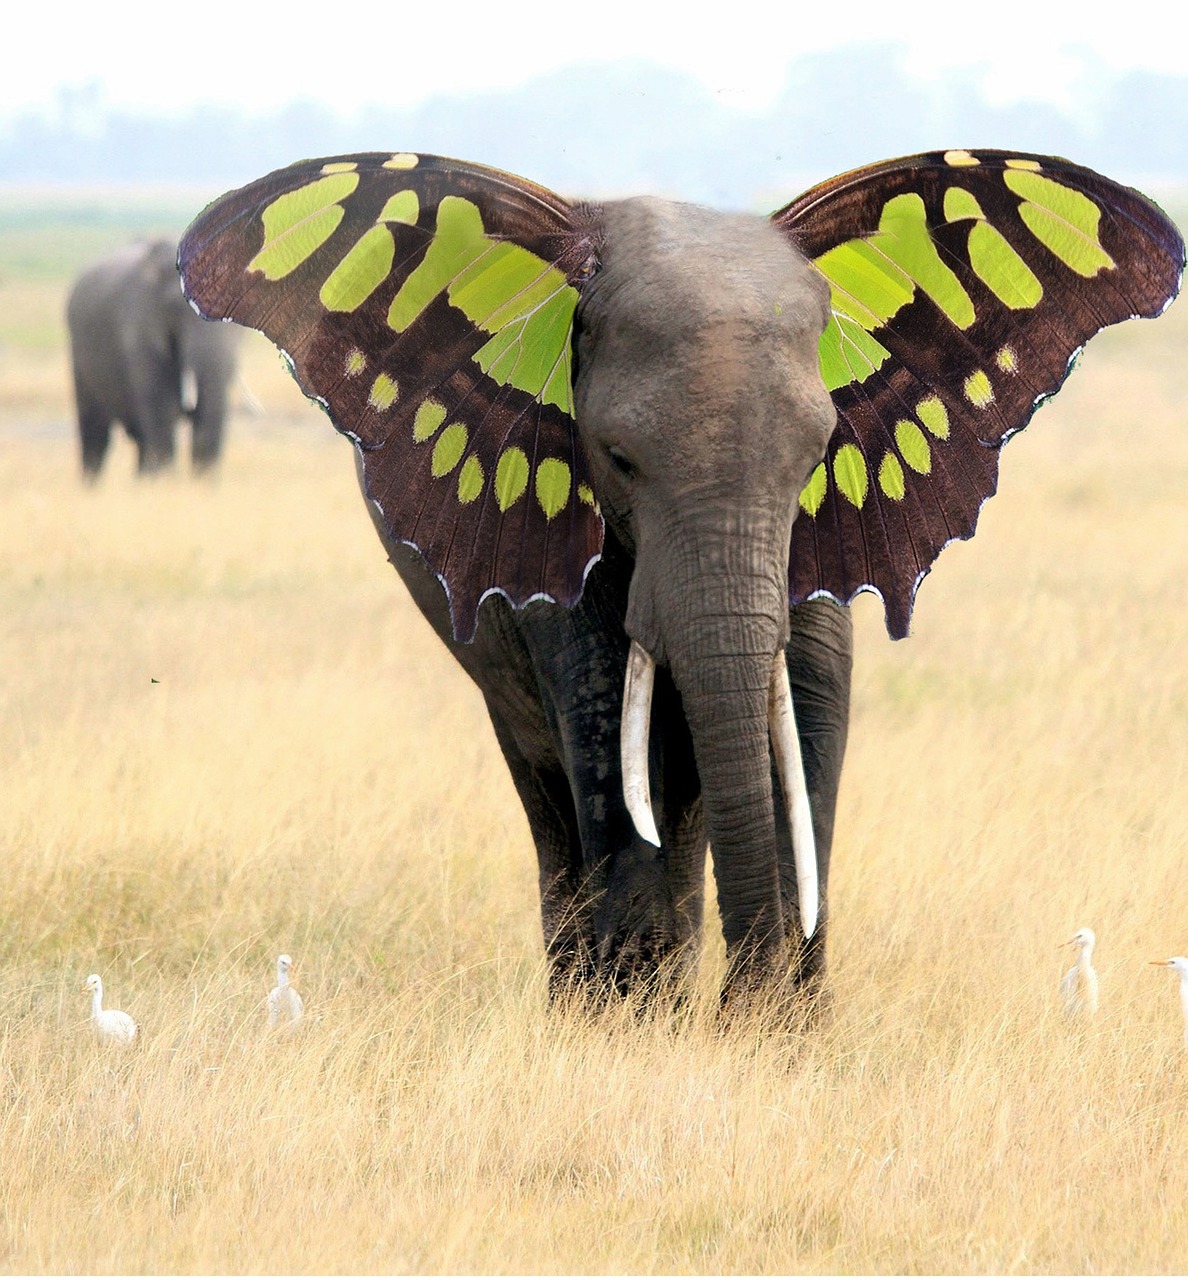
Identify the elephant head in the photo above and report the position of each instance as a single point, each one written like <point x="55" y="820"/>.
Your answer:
<point x="702" y="412"/>
<point x="763" y="411"/>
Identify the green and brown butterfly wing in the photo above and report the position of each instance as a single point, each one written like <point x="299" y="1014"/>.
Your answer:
<point x="963" y="284"/>
<point x="427" y="304"/>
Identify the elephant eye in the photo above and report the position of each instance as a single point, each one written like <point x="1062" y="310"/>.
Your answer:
<point x="622" y="463"/>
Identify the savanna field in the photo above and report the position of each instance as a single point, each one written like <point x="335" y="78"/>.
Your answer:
<point x="225" y="732"/>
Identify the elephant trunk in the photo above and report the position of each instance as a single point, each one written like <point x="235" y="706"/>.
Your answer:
<point x="725" y="653"/>
<point x="208" y="366"/>
<point x="726" y="701"/>
<point x="785" y="742"/>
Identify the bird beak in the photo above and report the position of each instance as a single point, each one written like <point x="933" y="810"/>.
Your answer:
<point x="1162" y="964"/>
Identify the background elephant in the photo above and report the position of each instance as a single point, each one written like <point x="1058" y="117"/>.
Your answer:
<point x="633" y="433"/>
<point x="142" y="357"/>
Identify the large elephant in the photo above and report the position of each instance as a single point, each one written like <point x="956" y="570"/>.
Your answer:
<point x="666" y="446"/>
<point x="141" y="357"/>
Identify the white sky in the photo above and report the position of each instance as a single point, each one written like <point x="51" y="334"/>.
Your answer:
<point x="166" y="55"/>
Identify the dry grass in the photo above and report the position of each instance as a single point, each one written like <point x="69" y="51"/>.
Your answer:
<point x="225" y="733"/>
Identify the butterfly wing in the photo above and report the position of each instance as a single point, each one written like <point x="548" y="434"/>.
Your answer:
<point x="963" y="284"/>
<point x="427" y="304"/>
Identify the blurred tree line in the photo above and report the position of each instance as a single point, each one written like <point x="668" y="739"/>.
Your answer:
<point x="619" y="128"/>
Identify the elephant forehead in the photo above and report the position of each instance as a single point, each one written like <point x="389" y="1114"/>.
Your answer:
<point x="682" y="264"/>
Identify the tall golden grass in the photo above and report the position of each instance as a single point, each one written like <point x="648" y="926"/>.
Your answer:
<point x="226" y="733"/>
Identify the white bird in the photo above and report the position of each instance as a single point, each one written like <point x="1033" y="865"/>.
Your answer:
<point x="1180" y="965"/>
<point x="285" y="1006"/>
<point x="112" y="1026"/>
<point x="1078" y="987"/>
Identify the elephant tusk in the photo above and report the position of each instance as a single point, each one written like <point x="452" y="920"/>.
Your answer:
<point x="633" y="741"/>
<point x="785" y="742"/>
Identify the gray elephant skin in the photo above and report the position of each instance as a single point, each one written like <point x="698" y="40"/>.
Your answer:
<point x="735" y="413"/>
<point x="141" y="357"/>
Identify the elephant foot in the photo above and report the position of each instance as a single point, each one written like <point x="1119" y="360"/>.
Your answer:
<point x="788" y="994"/>
<point x="639" y="950"/>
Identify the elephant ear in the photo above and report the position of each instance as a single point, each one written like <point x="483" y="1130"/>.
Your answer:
<point x="427" y="305"/>
<point x="963" y="284"/>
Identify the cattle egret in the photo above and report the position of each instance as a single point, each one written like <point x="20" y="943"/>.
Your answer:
<point x="111" y="1025"/>
<point x="285" y="1006"/>
<point x="1180" y="965"/>
<point x="1078" y="987"/>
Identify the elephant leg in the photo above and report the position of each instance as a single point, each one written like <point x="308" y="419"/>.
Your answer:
<point x="94" y="427"/>
<point x="579" y="657"/>
<point x="157" y="404"/>
<point x="154" y="446"/>
<point x="206" y="440"/>
<point x="500" y="664"/>
<point x="820" y="657"/>
<point x="644" y="914"/>
<point x="565" y="906"/>
<point x="676" y="795"/>
<point x="206" y="444"/>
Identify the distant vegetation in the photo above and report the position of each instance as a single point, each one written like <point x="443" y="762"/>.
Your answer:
<point x="54" y="236"/>
<point x="618" y="128"/>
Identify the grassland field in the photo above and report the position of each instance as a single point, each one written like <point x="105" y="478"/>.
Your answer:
<point x="225" y="732"/>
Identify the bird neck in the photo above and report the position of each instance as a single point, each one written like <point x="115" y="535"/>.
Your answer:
<point x="1085" y="958"/>
<point x="96" y="1002"/>
<point x="282" y="978"/>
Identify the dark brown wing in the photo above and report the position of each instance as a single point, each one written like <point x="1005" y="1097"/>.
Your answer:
<point x="963" y="284"/>
<point x="427" y="304"/>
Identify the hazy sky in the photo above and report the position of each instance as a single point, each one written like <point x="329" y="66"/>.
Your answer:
<point x="164" y="55"/>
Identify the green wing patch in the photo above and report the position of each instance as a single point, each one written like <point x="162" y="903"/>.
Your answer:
<point x="962" y="285"/>
<point x="428" y="305"/>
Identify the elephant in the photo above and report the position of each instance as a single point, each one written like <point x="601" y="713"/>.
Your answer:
<point x="633" y="460"/>
<point x="141" y="356"/>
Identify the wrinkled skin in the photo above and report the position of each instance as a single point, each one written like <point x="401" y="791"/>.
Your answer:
<point x="700" y="403"/>
<point x="140" y="354"/>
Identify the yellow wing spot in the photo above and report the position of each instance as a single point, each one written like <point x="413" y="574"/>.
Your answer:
<point x="429" y="417"/>
<point x="404" y="206"/>
<point x="384" y="392"/>
<point x="470" y="480"/>
<point x="511" y="477"/>
<point x="978" y="390"/>
<point x="913" y="444"/>
<point x="298" y="222"/>
<point x="355" y="363"/>
<point x="340" y="166"/>
<point x="960" y="158"/>
<point x="933" y="414"/>
<point x="553" y="478"/>
<point x="960" y="203"/>
<point x="849" y="471"/>
<point x="586" y="495"/>
<point x="1007" y="360"/>
<point x="813" y="493"/>
<point x="891" y="477"/>
<point x="402" y="160"/>
<point x="1023" y="164"/>
<point x="448" y="450"/>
